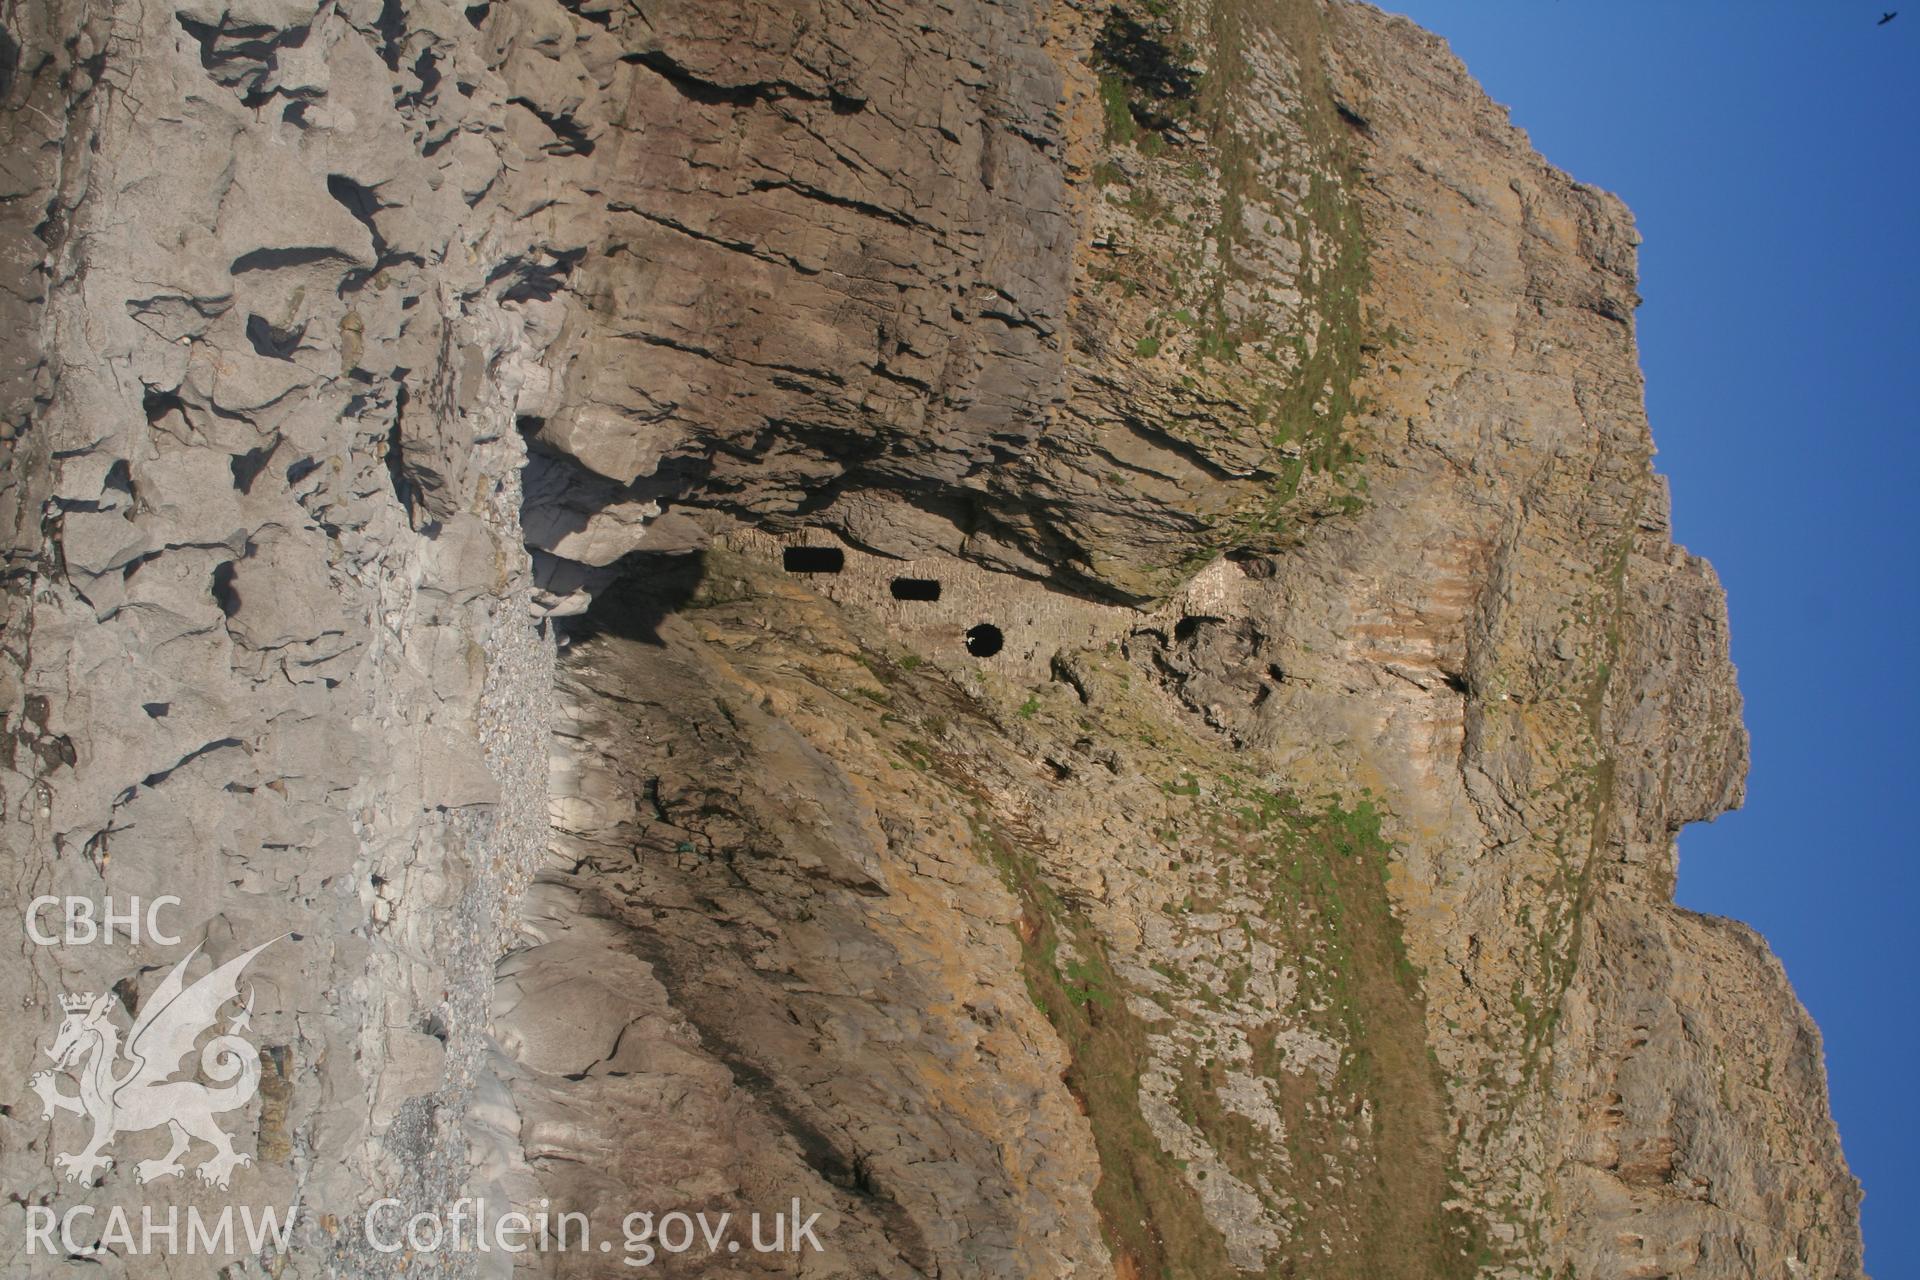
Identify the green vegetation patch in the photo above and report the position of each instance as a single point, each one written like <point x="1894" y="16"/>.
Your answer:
<point x="1322" y="870"/>
<point x="1150" y="1216"/>
<point x="1148" y="84"/>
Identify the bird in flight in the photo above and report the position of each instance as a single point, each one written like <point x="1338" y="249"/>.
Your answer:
<point x="1887" y="17"/>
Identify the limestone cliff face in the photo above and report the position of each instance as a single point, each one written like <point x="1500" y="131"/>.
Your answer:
<point x="1200" y="802"/>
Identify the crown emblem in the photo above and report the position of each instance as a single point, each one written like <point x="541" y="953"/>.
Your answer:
<point x="77" y="1004"/>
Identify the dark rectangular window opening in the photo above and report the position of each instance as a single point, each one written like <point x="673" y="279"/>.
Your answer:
<point x="916" y="588"/>
<point x="813" y="559"/>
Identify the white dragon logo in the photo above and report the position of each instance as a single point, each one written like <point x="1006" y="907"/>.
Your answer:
<point x="142" y="1097"/>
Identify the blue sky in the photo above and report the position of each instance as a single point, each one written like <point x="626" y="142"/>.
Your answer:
<point x="1769" y="152"/>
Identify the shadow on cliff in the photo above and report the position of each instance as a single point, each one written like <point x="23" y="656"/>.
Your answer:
<point x="651" y="586"/>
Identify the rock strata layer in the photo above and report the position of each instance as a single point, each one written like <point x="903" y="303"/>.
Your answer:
<point x="1044" y="628"/>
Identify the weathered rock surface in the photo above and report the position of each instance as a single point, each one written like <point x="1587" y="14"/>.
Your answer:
<point x="267" y="629"/>
<point x="1254" y="858"/>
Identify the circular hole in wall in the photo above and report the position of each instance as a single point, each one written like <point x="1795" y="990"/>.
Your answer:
<point x="984" y="640"/>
